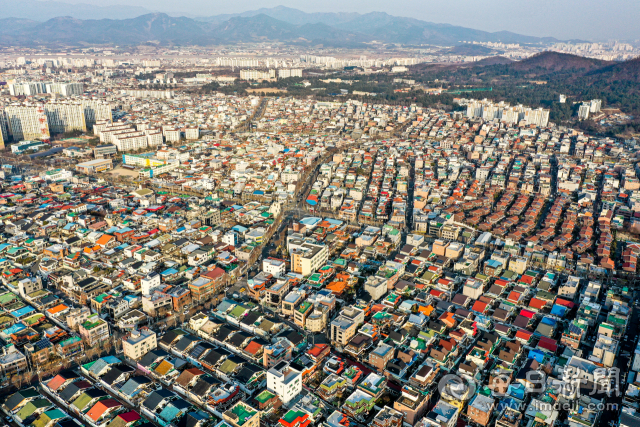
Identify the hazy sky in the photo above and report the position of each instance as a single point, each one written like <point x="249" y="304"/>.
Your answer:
<point x="564" y="19"/>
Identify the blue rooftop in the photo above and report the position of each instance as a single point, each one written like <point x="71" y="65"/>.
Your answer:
<point x="24" y="310"/>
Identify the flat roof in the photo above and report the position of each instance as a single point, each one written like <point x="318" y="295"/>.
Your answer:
<point x="95" y="162"/>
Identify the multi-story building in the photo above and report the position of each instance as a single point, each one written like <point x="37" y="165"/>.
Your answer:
<point x="27" y="89"/>
<point x="96" y="110"/>
<point x="257" y="74"/>
<point x="12" y="361"/>
<point x="480" y="409"/>
<point x="308" y="257"/>
<point x="154" y="137"/>
<point x="171" y="134"/>
<point x="442" y="415"/>
<point x="27" y="121"/>
<point x="285" y="73"/>
<point x="345" y="326"/>
<point x="388" y="417"/>
<point x="192" y="132"/>
<point x="242" y="415"/>
<point x="413" y="403"/>
<point x="318" y="318"/>
<point x="130" y="141"/>
<point x="76" y="316"/>
<point x="139" y="343"/>
<point x="93" y="166"/>
<point x="207" y="285"/>
<point x="285" y="381"/>
<point x="381" y="355"/>
<point x="102" y="151"/>
<point x="65" y="89"/>
<point x="273" y="266"/>
<point x="94" y="330"/>
<point x="65" y="116"/>
<point x="280" y="351"/>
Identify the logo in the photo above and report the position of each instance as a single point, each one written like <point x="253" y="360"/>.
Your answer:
<point x="453" y="387"/>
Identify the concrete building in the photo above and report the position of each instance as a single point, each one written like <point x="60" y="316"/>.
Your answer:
<point x="242" y="415"/>
<point x="285" y="381"/>
<point x="285" y="73"/>
<point x="273" y="266"/>
<point x="345" y="326"/>
<point x="308" y="258"/>
<point x="139" y="343"/>
<point x="381" y="355"/>
<point x="94" y="330"/>
<point x="192" y="132"/>
<point x="94" y="166"/>
<point x="96" y="110"/>
<point x="130" y="141"/>
<point x="65" y="116"/>
<point x="376" y="287"/>
<point x="27" y="121"/>
<point x="442" y="415"/>
<point x="413" y="403"/>
<point x="65" y="89"/>
<point x="480" y="409"/>
<point x="102" y="151"/>
<point x="12" y="361"/>
<point x="257" y="74"/>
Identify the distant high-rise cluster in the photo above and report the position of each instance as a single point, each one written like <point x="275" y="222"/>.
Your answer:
<point x="589" y="108"/>
<point x="488" y="110"/>
<point x="38" y="120"/>
<point x="257" y="74"/>
<point x="35" y="88"/>
<point x="285" y="73"/>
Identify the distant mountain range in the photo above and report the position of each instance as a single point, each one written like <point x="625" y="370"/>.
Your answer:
<point x="44" y="10"/>
<point x="72" y="26"/>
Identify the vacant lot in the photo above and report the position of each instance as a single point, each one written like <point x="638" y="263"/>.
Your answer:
<point x="125" y="172"/>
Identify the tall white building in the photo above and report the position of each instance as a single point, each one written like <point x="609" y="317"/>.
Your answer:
<point x="257" y="74"/>
<point x="107" y="133"/>
<point x="147" y="93"/>
<point x="65" y="89"/>
<point x="595" y="105"/>
<point x="27" y="89"/>
<point x="130" y="141"/>
<point x="96" y="110"/>
<point x="154" y="137"/>
<point x="65" y="116"/>
<point x="583" y="111"/>
<point x="285" y="381"/>
<point x="192" y="132"/>
<point x="27" y="121"/>
<point x="474" y="109"/>
<point x="285" y="73"/>
<point x="538" y="117"/>
<point x="171" y="134"/>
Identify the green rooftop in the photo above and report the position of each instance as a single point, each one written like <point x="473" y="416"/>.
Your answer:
<point x="265" y="396"/>
<point x="304" y="307"/>
<point x="242" y="412"/>
<point x="292" y="415"/>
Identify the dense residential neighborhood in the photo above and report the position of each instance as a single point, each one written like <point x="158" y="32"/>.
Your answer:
<point x="223" y="260"/>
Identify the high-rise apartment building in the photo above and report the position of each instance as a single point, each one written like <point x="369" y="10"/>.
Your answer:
<point x="27" y="121"/>
<point x="65" y="116"/>
<point x="285" y="73"/>
<point x="65" y="89"/>
<point x="96" y="110"/>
